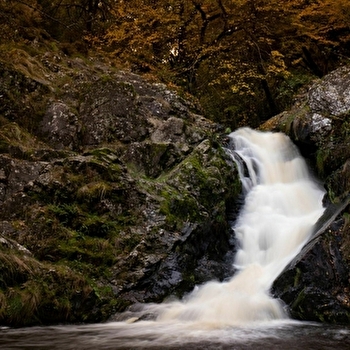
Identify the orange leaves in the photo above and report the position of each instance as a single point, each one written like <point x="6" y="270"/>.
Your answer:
<point x="140" y="26"/>
<point x="241" y="47"/>
<point x="323" y="16"/>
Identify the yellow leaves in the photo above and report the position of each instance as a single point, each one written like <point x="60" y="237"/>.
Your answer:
<point x="319" y="18"/>
<point x="297" y="61"/>
<point x="265" y="40"/>
<point x="277" y="65"/>
<point x="238" y="44"/>
<point x="243" y="89"/>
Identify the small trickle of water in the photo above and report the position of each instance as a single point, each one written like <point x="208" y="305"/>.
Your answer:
<point x="282" y="203"/>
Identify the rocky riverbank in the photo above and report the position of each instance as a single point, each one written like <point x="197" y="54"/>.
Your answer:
<point x="115" y="189"/>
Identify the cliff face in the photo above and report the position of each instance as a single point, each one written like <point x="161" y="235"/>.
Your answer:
<point x="113" y="190"/>
<point x="317" y="287"/>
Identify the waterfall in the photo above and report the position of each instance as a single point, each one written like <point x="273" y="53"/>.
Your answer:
<point x="282" y="203"/>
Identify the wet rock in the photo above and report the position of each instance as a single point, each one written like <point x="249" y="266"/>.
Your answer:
<point x="317" y="288"/>
<point x="60" y="126"/>
<point x="114" y="183"/>
<point x="319" y="123"/>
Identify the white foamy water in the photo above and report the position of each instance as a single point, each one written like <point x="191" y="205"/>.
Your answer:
<point x="282" y="203"/>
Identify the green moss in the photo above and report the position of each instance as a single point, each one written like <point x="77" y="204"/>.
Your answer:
<point x="178" y="208"/>
<point x="297" y="277"/>
<point x="193" y="190"/>
<point x="321" y="160"/>
<point x="117" y="304"/>
<point x="297" y="304"/>
<point x="152" y="160"/>
<point x="105" y="162"/>
<point x="96" y="226"/>
<point x="158" y="149"/>
<point x="75" y="229"/>
<point x="16" y="141"/>
<point x="104" y="153"/>
<point x="80" y="249"/>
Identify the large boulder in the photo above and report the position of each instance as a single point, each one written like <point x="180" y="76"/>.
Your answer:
<point x="113" y="190"/>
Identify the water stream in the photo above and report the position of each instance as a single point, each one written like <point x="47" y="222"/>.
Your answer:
<point x="282" y="203"/>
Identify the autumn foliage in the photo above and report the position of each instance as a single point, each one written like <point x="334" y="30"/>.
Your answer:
<point x="244" y="59"/>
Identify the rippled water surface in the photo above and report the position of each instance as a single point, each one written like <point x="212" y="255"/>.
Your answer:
<point x="149" y="335"/>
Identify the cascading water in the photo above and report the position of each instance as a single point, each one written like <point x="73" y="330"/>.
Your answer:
<point x="282" y="203"/>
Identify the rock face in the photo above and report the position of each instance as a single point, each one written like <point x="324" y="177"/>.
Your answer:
<point x="317" y="288"/>
<point x="113" y="190"/>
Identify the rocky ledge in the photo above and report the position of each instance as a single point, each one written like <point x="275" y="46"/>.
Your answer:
<point x="113" y="190"/>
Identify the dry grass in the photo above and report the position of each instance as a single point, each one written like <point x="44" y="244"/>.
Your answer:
<point x="15" y="268"/>
<point x="28" y="65"/>
<point x="12" y="134"/>
<point x="93" y="190"/>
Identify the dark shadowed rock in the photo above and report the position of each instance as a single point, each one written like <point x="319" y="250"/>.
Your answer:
<point x="60" y="126"/>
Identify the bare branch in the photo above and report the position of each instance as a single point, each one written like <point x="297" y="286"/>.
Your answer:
<point x="44" y="14"/>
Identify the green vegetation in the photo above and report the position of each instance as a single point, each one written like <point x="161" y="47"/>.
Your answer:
<point x="183" y="202"/>
<point x="33" y="292"/>
<point x="321" y="160"/>
<point x="83" y="222"/>
<point x="77" y="224"/>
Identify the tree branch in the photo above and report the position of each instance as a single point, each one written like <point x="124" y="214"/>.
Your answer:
<point x="44" y="14"/>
